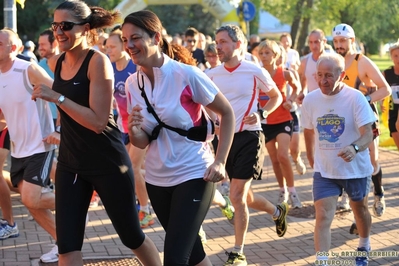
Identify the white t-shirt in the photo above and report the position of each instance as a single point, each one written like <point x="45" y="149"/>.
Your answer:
<point x="336" y="121"/>
<point x="28" y="121"/>
<point x="292" y="58"/>
<point x="241" y="88"/>
<point x="178" y="94"/>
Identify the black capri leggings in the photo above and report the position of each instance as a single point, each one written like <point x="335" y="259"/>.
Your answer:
<point x="181" y="210"/>
<point x="72" y="199"/>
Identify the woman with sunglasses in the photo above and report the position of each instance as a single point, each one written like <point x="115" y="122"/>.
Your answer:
<point x="91" y="153"/>
<point x="180" y="171"/>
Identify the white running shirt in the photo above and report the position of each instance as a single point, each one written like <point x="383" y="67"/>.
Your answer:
<point x="28" y="121"/>
<point x="241" y="88"/>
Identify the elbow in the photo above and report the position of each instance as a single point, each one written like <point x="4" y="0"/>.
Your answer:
<point x="100" y="127"/>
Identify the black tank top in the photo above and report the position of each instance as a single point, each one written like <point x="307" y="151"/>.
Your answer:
<point x="83" y="151"/>
<point x="393" y="80"/>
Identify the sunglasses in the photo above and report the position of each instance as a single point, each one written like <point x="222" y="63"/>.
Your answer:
<point x="191" y="40"/>
<point x="65" y="25"/>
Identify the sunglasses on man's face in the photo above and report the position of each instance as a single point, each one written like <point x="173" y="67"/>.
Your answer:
<point x="65" y="25"/>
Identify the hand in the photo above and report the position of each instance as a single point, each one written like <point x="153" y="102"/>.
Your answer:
<point x="216" y="172"/>
<point x="300" y="98"/>
<point x="43" y="92"/>
<point x="347" y="153"/>
<point x="252" y="119"/>
<point x="53" y="138"/>
<point x="135" y="120"/>
<point x="287" y="105"/>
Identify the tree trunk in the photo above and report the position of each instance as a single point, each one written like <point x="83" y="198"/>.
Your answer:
<point x="296" y="22"/>
<point x="305" y="27"/>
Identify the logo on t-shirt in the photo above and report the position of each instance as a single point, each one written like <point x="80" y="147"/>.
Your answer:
<point x="330" y="127"/>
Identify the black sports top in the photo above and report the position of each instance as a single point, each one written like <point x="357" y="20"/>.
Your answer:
<point x="82" y="151"/>
<point x="393" y="81"/>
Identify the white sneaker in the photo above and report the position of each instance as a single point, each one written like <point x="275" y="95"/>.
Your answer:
<point x="51" y="256"/>
<point x="344" y="203"/>
<point x="202" y="235"/>
<point x="8" y="231"/>
<point x="224" y="189"/>
<point x="300" y="166"/>
<point x="294" y="200"/>
<point x="283" y="197"/>
<point x="379" y="205"/>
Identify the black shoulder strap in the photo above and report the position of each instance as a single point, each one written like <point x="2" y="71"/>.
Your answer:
<point x="151" y="110"/>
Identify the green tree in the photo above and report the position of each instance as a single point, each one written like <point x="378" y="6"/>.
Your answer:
<point x="177" y="18"/>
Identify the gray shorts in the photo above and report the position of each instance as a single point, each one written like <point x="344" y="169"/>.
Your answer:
<point x="357" y="188"/>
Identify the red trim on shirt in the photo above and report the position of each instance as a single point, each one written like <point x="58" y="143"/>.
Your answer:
<point x="231" y="69"/>
<point x="250" y="103"/>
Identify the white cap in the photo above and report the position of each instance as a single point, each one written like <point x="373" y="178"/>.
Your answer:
<point x="29" y="44"/>
<point x="343" y="30"/>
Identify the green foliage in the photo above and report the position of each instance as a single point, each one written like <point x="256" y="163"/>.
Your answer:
<point x="177" y="18"/>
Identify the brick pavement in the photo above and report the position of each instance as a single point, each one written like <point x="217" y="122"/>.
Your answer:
<point x="263" y="247"/>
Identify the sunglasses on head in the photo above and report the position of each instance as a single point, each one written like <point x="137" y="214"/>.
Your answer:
<point x="65" y="25"/>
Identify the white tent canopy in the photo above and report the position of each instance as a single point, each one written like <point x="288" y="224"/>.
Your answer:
<point x="269" y="25"/>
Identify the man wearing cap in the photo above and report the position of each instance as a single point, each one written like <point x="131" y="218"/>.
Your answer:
<point x="364" y="75"/>
<point x="361" y="73"/>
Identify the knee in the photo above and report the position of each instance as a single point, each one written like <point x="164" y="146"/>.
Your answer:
<point x="29" y="201"/>
<point x="283" y="157"/>
<point x="237" y="200"/>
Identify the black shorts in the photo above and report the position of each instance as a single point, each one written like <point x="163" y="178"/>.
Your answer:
<point x="296" y="127"/>
<point x="5" y="139"/>
<point x="391" y="125"/>
<point x="33" y="169"/>
<point x="246" y="158"/>
<point x="271" y="131"/>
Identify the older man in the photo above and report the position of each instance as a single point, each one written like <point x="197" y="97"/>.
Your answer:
<point x="337" y="123"/>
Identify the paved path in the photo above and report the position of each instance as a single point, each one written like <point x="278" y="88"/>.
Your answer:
<point x="263" y="247"/>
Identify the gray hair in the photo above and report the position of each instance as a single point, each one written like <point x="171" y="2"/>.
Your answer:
<point x="336" y="59"/>
<point x="234" y="32"/>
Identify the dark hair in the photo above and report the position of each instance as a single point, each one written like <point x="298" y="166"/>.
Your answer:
<point x="191" y="32"/>
<point x="50" y="34"/>
<point x="96" y="17"/>
<point x="150" y="23"/>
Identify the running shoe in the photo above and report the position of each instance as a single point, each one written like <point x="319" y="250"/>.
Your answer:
<point x="362" y="260"/>
<point x="236" y="259"/>
<point x="51" y="256"/>
<point x="294" y="200"/>
<point x="300" y="166"/>
<point x="283" y="197"/>
<point x="202" y="235"/>
<point x="281" y="220"/>
<point x="146" y="219"/>
<point x="228" y="211"/>
<point x="379" y="204"/>
<point x="353" y="229"/>
<point x="8" y="231"/>
<point x="343" y="204"/>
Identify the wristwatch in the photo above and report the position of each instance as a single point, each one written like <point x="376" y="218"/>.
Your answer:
<point x="58" y="129"/>
<point x="61" y="99"/>
<point x="355" y="147"/>
<point x="368" y="98"/>
<point x="262" y="113"/>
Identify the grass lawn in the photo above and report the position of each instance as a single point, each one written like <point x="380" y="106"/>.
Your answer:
<point x="383" y="63"/>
